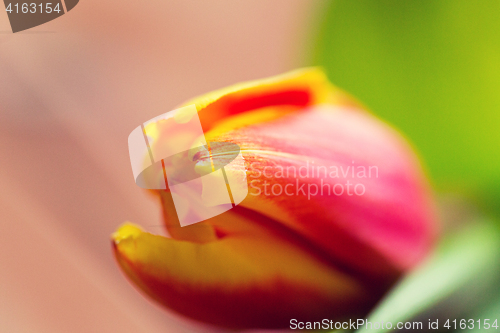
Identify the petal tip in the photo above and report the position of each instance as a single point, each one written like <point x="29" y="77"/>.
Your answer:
<point x="126" y="231"/>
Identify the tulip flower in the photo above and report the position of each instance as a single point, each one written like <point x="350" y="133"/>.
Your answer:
<point x="338" y="209"/>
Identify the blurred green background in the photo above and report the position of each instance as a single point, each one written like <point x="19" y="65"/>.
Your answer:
<point x="431" y="68"/>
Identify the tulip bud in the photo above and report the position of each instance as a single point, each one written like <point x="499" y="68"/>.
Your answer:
<point x="337" y="210"/>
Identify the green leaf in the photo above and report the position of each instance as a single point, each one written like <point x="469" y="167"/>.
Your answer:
<point x="461" y="263"/>
<point x="432" y="68"/>
<point x="492" y="313"/>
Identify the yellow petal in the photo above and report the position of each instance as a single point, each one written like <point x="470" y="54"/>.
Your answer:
<point x="242" y="280"/>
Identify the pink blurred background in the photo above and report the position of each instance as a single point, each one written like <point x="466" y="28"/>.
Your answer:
<point x="70" y="93"/>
